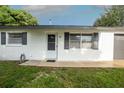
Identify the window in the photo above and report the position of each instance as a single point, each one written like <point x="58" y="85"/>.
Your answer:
<point x="14" y="38"/>
<point x="89" y="41"/>
<point x="75" y="40"/>
<point x="86" y="40"/>
<point x="51" y="42"/>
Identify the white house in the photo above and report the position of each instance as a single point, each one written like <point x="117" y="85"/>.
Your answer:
<point x="62" y="43"/>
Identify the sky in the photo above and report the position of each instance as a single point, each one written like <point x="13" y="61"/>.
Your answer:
<point x="84" y="15"/>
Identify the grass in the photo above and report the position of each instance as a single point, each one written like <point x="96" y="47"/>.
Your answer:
<point x="13" y="75"/>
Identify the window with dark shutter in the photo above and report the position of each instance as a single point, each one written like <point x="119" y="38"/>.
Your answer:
<point x="3" y="38"/>
<point x="66" y="40"/>
<point x="24" y="38"/>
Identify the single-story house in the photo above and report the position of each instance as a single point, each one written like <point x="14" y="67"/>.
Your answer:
<point x="62" y="43"/>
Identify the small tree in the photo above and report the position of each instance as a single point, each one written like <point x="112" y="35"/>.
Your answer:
<point x="13" y="17"/>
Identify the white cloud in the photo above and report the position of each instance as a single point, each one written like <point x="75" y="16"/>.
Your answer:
<point x="45" y="9"/>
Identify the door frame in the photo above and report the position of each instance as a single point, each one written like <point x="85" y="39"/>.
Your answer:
<point x="56" y="44"/>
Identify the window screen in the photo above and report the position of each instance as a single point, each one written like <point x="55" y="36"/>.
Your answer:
<point x="14" y="38"/>
<point x="75" y="40"/>
<point x="86" y="40"/>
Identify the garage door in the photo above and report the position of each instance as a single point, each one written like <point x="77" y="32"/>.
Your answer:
<point x="119" y="46"/>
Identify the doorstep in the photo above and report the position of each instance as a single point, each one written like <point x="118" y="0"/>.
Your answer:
<point x="101" y="64"/>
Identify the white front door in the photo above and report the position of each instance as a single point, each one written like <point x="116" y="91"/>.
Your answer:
<point x="51" y="47"/>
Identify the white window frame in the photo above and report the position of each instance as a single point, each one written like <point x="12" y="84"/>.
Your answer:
<point x="7" y="37"/>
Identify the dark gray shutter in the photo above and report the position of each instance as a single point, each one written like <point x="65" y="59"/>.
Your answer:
<point x="3" y="38"/>
<point x="24" y="38"/>
<point x="66" y="40"/>
<point x="95" y="41"/>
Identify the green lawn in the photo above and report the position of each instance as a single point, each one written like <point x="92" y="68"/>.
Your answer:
<point x="13" y="75"/>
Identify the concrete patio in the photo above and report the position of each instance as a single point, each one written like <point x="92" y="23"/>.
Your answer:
<point x="101" y="64"/>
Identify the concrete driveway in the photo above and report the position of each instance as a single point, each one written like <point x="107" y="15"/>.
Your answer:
<point x="101" y="64"/>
